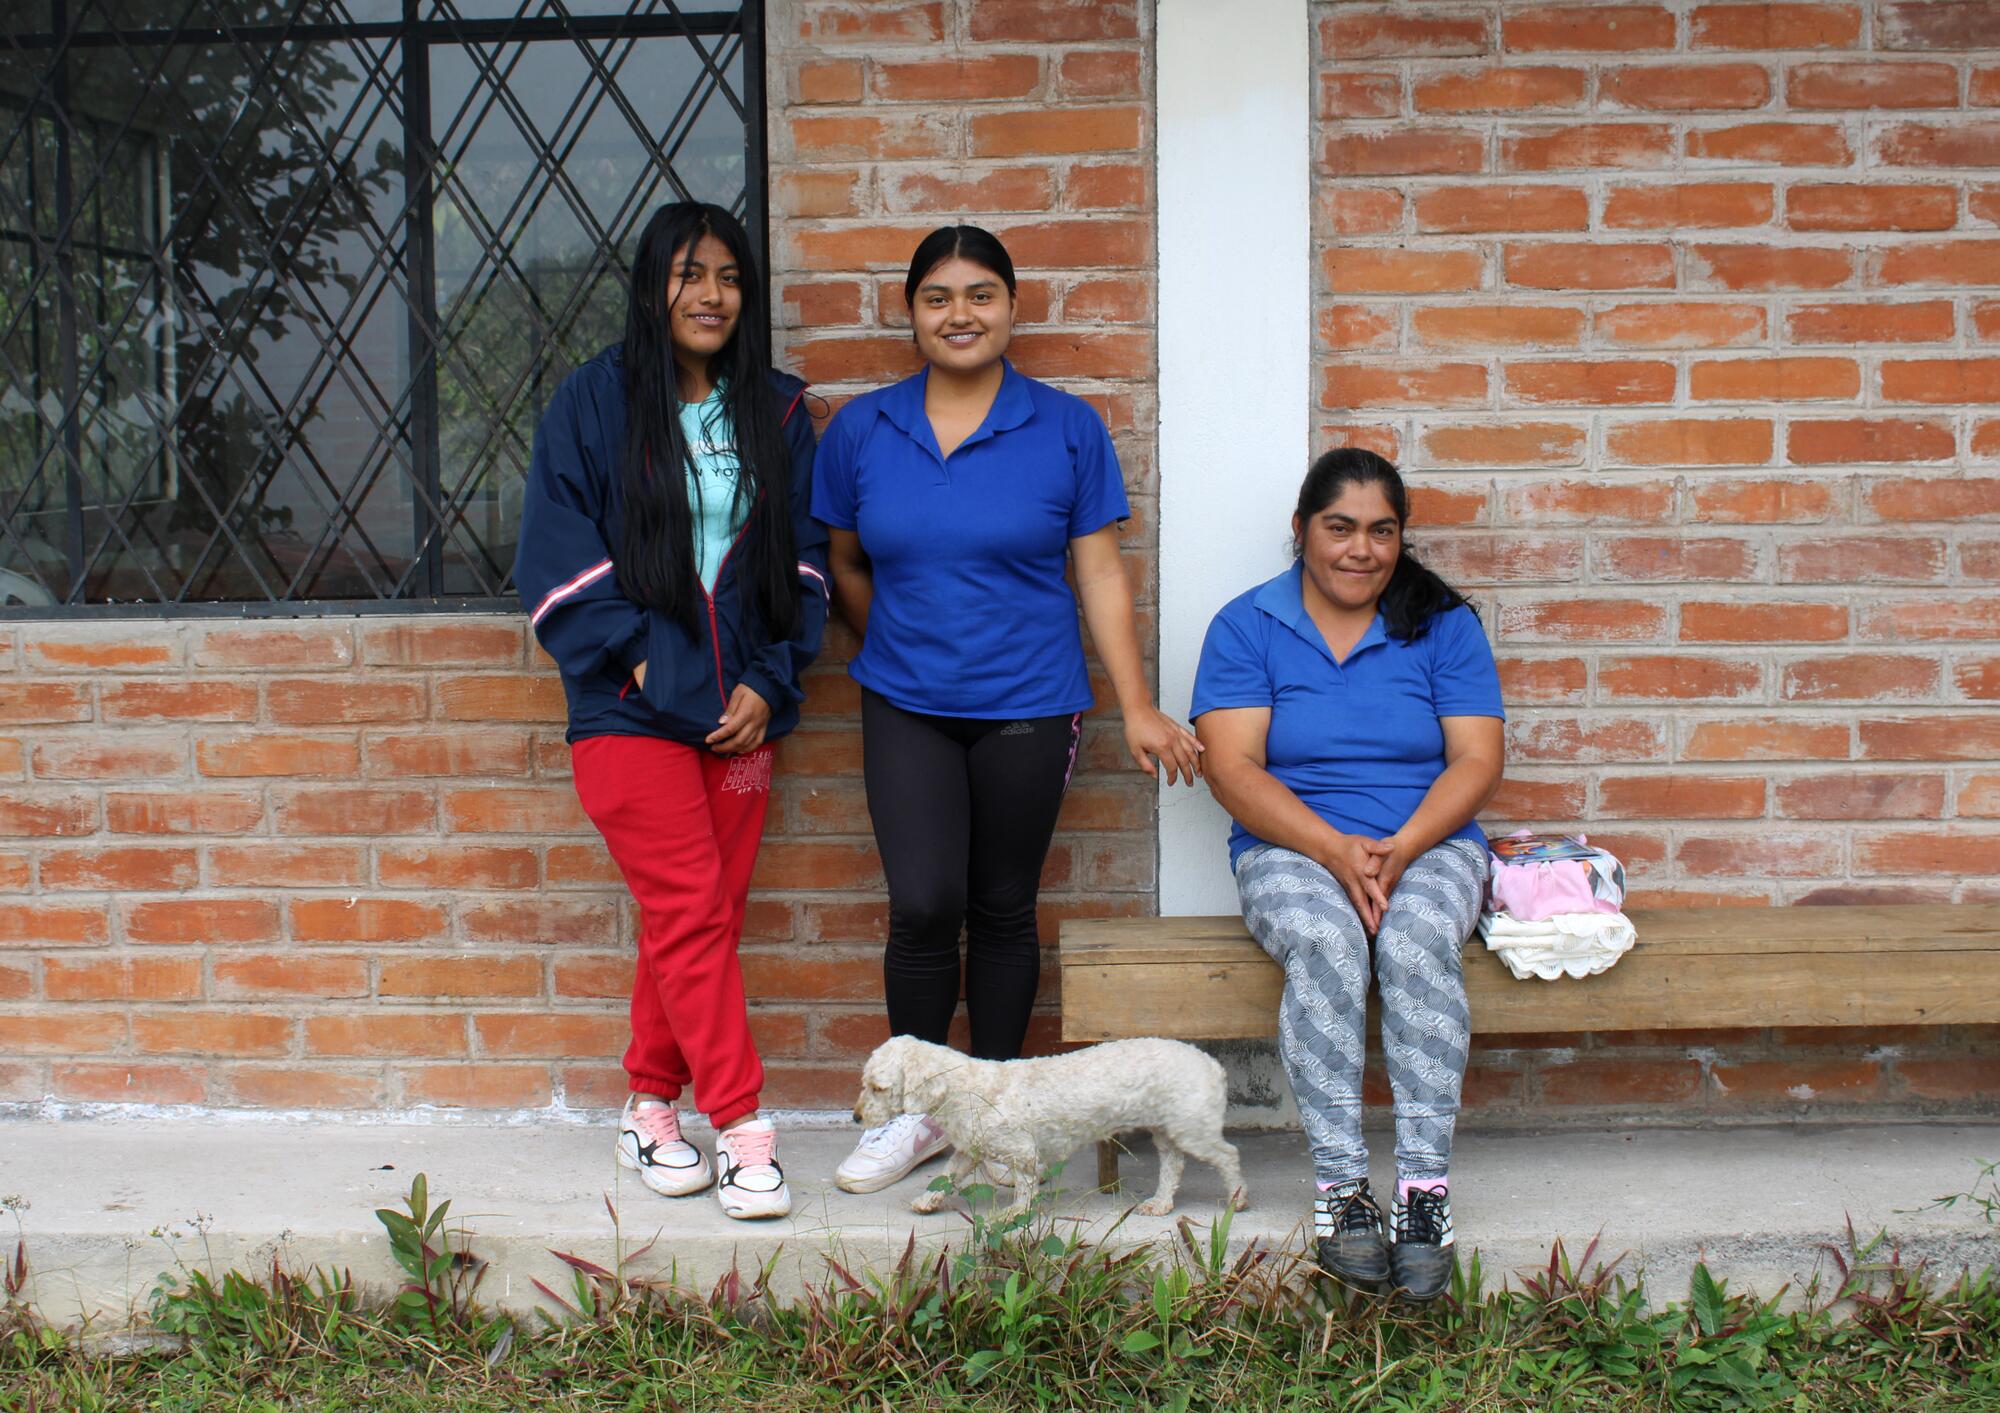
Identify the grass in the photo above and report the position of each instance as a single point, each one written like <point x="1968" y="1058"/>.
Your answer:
<point x="1020" y="1315"/>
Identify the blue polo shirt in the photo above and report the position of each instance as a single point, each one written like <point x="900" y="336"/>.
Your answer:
<point x="971" y="615"/>
<point x="1358" y="742"/>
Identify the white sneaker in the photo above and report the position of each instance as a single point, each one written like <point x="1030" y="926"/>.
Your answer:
<point x="650" y="1143"/>
<point x="890" y="1152"/>
<point x="753" y="1185"/>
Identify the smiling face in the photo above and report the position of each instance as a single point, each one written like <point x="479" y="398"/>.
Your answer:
<point x="963" y="315"/>
<point x="1350" y="547"/>
<point x="704" y="300"/>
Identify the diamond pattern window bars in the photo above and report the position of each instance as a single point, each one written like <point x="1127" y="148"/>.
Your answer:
<point x="285" y="284"/>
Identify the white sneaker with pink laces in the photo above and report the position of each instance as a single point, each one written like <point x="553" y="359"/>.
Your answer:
<point x="650" y="1143"/>
<point x="752" y="1185"/>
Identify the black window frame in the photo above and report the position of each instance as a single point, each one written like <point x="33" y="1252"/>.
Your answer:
<point x="416" y="35"/>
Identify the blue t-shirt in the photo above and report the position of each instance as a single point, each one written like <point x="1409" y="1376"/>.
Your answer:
<point x="711" y="478"/>
<point x="971" y="615"/>
<point x="1358" y="742"/>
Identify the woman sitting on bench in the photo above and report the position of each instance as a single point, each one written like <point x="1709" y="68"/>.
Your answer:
<point x="1351" y="716"/>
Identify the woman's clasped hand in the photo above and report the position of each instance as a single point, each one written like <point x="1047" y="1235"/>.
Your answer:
<point x="1368" y="870"/>
<point x="1357" y="862"/>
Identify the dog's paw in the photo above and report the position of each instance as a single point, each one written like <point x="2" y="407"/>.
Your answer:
<point x="1239" y="1200"/>
<point x="927" y="1202"/>
<point x="1154" y="1207"/>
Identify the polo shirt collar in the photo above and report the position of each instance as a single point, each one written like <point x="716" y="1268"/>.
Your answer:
<point x="903" y="405"/>
<point x="1284" y="599"/>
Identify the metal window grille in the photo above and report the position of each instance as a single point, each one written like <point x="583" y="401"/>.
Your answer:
<point x="286" y="284"/>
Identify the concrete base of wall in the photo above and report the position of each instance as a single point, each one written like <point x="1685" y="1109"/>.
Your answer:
<point x="107" y="1206"/>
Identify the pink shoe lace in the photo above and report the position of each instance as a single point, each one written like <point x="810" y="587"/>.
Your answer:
<point x="659" y="1123"/>
<point x="754" y="1148"/>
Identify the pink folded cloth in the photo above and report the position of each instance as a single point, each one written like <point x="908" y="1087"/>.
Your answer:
<point x="1531" y="890"/>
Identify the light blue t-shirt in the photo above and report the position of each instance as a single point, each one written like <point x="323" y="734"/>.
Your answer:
<point x="1357" y="741"/>
<point x="712" y="477"/>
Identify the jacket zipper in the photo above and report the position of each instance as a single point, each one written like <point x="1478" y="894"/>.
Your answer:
<point x="714" y="633"/>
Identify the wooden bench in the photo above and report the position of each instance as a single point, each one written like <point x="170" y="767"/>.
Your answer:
<point x="1202" y="978"/>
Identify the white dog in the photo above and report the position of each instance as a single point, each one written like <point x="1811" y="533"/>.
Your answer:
<point x="1030" y="1113"/>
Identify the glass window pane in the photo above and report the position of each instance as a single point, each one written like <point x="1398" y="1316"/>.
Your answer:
<point x="208" y="386"/>
<point x="447" y="10"/>
<point x="552" y="173"/>
<point x="166" y="16"/>
<point x="263" y="362"/>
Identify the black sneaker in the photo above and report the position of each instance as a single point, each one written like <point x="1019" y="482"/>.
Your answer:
<point x="1347" y="1233"/>
<point x="1420" y="1242"/>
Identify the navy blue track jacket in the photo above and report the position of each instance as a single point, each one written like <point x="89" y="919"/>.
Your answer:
<point x="597" y="636"/>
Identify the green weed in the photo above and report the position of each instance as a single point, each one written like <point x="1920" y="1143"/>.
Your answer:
<point x="1023" y="1313"/>
<point x="1983" y="1196"/>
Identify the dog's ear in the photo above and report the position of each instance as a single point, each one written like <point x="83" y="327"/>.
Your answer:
<point x="924" y="1093"/>
<point x="928" y="1077"/>
<point x="887" y="1070"/>
<point x="891" y="1068"/>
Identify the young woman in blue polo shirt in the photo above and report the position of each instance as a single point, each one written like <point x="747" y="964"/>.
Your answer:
<point x="954" y="500"/>
<point x="1351" y="712"/>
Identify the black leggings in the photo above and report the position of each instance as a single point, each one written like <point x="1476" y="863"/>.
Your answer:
<point x="963" y="811"/>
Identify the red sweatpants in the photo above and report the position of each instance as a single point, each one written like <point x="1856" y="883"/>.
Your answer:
<point x="683" y="826"/>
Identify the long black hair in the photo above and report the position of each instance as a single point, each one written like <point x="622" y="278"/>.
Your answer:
<point x="974" y="243"/>
<point x="1414" y="595"/>
<point x="656" y="552"/>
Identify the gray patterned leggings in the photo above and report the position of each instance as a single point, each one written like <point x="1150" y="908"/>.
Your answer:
<point x="1299" y="913"/>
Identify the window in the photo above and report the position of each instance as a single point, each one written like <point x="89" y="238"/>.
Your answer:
<point x="285" y="284"/>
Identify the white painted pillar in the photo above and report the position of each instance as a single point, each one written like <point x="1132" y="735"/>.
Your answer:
<point x="1235" y="167"/>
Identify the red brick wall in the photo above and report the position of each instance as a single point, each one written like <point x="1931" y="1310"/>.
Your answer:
<point x="1683" y="317"/>
<point x="340" y="863"/>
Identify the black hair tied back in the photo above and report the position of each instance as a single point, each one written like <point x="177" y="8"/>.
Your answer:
<point x="973" y="243"/>
<point x="1414" y="595"/>
<point x="655" y="555"/>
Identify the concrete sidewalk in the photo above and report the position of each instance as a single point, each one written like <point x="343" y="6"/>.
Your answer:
<point x="114" y="1202"/>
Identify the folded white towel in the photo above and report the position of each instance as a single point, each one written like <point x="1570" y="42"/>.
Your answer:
<point x="1567" y="944"/>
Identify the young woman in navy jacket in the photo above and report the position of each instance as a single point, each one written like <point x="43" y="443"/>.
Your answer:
<point x="670" y="566"/>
